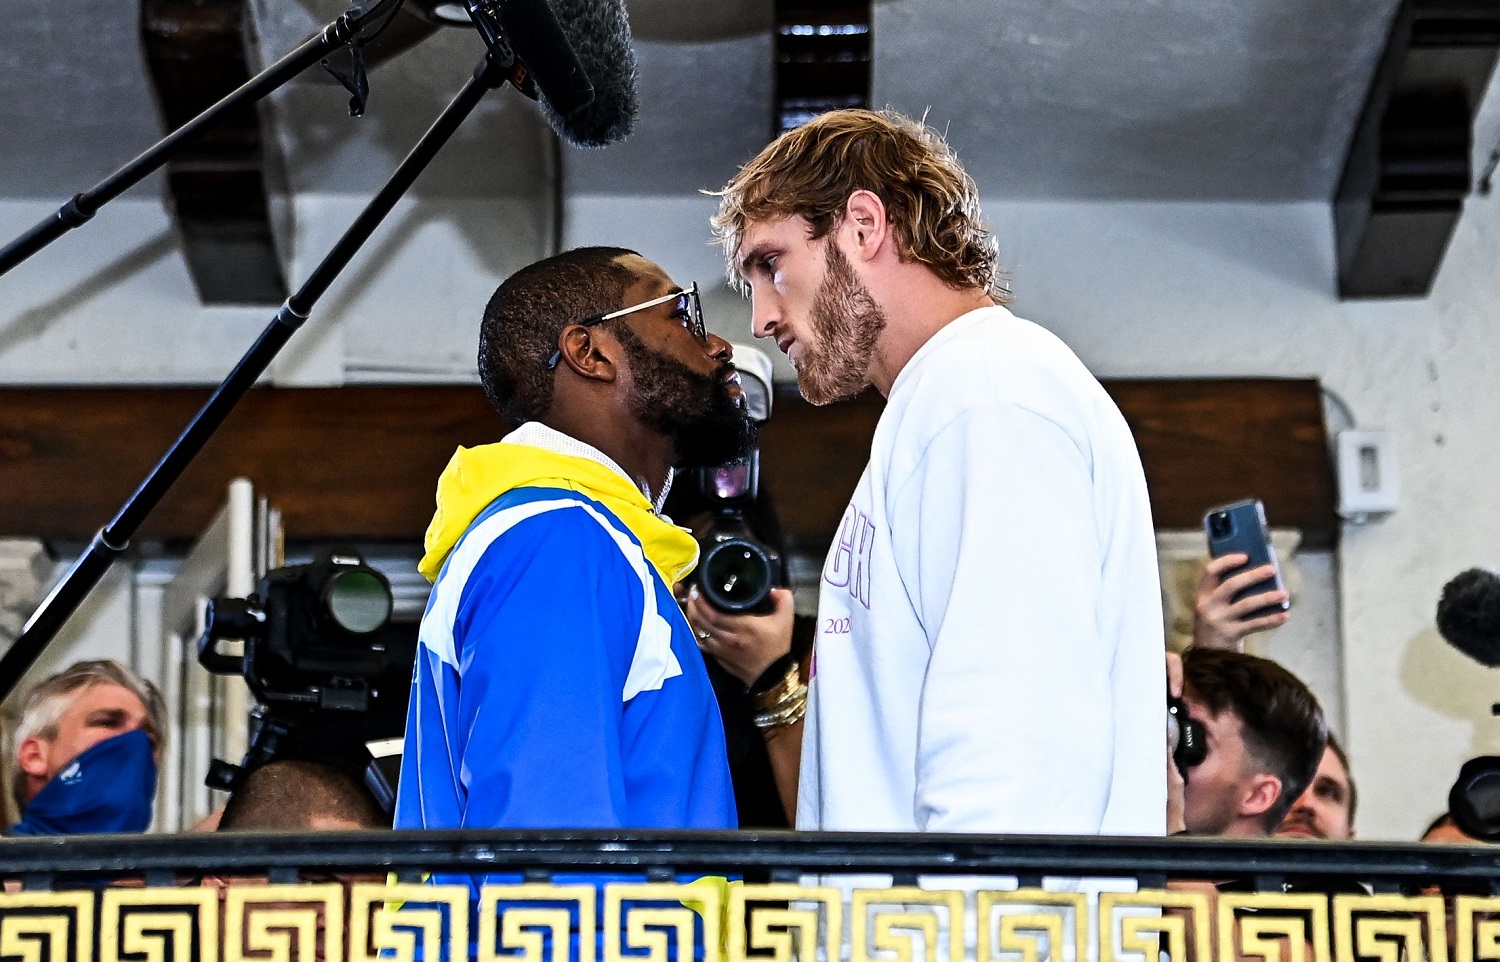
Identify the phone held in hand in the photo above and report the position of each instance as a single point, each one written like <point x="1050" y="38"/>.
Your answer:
<point x="1240" y="528"/>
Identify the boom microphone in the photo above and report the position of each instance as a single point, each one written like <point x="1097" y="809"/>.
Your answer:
<point x="1468" y="615"/>
<point x="578" y="52"/>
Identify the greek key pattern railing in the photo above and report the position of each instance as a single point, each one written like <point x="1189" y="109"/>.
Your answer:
<point x="660" y="922"/>
<point x="623" y="897"/>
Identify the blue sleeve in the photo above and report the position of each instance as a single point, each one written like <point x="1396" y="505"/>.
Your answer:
<point x="546" y="629"/>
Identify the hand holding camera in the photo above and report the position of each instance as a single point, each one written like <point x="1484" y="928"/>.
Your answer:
<point x="745" y="644"/>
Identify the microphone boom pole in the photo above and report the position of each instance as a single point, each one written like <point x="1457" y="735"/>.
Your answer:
<point x="82" y="207"/>
<point x="114" y="538"/>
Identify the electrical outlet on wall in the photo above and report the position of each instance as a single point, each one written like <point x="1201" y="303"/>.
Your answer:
<point x="1368" y="475"/>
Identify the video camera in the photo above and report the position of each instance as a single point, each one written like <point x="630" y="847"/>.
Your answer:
<point x="737" y="570"/>
<point x="321" y="656"/>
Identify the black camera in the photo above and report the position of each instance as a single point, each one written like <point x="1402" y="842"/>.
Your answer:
<point x="313" y="634"/>
<point x="736" y="570"/>
<point x="1186" y="736"/>
<point x="738" y="564"/>
<point x="320" y="654"/>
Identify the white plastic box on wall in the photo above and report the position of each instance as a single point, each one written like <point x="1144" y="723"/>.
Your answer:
<point x="1368" y="475"/>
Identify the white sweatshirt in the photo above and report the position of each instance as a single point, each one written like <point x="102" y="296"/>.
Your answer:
<point x="989" y="654"/>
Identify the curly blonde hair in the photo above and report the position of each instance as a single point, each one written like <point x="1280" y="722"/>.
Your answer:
<point x="810" y="172"/>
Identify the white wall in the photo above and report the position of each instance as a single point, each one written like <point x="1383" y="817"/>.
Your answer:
<point x="1137" y="289"/>
<point x="113" y="302"/>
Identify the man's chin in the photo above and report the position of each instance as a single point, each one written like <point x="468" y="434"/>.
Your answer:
<point x="820" y="392"/>
<point x="1297" y="831"/>
<point x="715" y="445"/>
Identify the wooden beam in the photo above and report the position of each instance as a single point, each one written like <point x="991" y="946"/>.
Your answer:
<point x="338" y="462"/>
<point x="361" y="463"/>
<point x="1207" y="442"/>
<point x="197" y="52"/>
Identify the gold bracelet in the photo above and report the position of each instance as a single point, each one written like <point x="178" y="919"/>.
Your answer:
<point x="788" y="711"/>
<point x="782" y="692"/>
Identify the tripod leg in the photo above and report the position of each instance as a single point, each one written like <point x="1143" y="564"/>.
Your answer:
<point x="115" y="537"/>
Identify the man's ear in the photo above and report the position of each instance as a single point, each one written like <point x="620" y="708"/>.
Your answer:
<point x="586" y="354"/>
<point x="864" y="228"/>
<point x="1259" y="795"/>
<point x="31" y="756"/>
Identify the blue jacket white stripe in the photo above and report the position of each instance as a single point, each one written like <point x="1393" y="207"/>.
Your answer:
<point x="557" y="684"/>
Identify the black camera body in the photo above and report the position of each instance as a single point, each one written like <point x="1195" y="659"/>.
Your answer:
<point x="1188" y="740"/>
<point x="736" y="570"/>
<point x="313" y="634"/>
<point x="320" y="655"/>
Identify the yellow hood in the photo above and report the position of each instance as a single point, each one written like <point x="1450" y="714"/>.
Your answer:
<point x="477" y="476"/>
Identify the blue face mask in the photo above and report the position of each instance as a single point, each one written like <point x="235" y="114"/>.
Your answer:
<point x="108" y="788"/>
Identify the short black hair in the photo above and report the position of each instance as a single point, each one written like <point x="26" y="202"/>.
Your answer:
<point x="287" y="796"/>
<point x="526" y="315"/>
<point x="1283" y="724"/>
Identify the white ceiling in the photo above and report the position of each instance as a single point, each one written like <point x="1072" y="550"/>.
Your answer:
<point x="1107" y="99"/>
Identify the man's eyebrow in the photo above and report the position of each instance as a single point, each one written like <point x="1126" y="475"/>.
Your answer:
<point x="751" y="256"/>
<point x="106" y="714"/>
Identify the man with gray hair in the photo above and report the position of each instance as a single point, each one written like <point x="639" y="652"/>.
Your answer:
<point x="85" y="752"/>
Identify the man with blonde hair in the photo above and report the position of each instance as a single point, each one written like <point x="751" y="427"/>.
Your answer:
<point x="85" y="752"/>
<point x="989" y="648"/>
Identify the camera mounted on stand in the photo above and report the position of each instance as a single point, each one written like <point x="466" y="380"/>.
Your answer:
<point x="328" y="670"/>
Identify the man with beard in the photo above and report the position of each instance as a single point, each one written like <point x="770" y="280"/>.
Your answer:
<point x="557" y="684"/>
<point x="989" y="651"/>
<point x="1325" y="808"/>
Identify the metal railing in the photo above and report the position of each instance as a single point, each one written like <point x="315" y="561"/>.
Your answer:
<point x="360" y="897"/>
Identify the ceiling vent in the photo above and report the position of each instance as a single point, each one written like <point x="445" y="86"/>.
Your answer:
<point x="822" y="60"/>
<point x="1409" y="164"/>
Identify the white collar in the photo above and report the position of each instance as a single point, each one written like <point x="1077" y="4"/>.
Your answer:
<point x="538" y="435"/>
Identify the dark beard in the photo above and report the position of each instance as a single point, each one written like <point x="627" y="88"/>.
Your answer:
<point x="706" y="423"/>
<point x="848" y="323"/>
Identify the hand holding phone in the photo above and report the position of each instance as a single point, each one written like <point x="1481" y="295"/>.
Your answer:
<point x="1242" y="590"/>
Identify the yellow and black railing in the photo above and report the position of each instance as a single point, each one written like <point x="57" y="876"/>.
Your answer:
<point x="622" y="896"/>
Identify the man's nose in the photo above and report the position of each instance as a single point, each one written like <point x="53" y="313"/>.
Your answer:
<point x="719" y="349"/>
<point x="764" y="317"/>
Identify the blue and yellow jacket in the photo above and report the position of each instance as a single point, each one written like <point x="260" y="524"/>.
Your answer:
<point x="557" y="684"/>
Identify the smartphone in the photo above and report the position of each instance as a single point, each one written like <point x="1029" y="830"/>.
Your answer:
<point x="1240" y="528"/>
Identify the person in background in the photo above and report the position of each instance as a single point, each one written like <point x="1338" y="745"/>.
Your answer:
<point x="86" y="748"/>
<point x="300" y="796"/>
<point x="1325" y="810"/>
<point x="749" y="657"/>
<point x="1265" y="735"/>
<point x="1445" y="829"/>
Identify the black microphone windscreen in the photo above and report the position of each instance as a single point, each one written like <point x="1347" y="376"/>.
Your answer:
<point x="1468" y="615"/>
<point x="557" y="39"/>
<point x="600" y="34"/>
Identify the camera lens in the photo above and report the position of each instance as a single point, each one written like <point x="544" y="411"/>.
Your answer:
<point x="1219" y="524"/>
<point x="736" y="575"/>
<point x="358" y="600"/>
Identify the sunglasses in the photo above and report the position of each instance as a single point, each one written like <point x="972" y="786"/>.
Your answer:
<point x="689" y="312"/>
